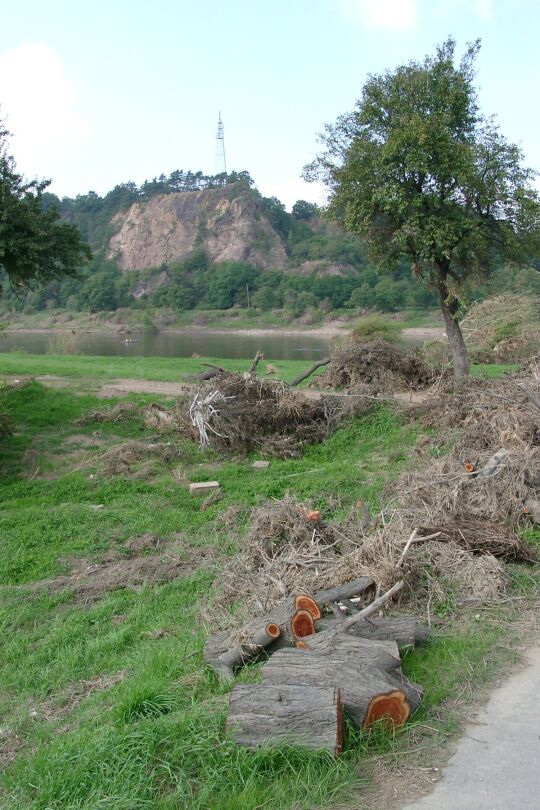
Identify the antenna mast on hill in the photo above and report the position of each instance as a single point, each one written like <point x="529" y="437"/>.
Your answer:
<point x="221" y="163"/>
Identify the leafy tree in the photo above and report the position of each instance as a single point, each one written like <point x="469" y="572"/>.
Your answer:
<point x="304" y="210"/>
<point x="420" y="174"/>
<point x="34" y="245"/>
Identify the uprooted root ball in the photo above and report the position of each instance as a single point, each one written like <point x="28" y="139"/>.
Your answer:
<point x="242" y="415"/>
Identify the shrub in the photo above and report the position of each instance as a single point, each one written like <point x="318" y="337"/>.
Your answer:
<point x="375" y="326"/>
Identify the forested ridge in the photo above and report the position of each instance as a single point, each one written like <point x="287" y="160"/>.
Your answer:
<point x="326" y="269"/>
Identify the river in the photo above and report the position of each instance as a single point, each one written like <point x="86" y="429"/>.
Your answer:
<point x="205" y="343"/>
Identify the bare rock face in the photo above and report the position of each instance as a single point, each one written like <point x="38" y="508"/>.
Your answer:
<point x="228" y="223"/>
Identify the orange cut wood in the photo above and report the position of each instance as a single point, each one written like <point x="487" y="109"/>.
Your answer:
<point x="314" y="516"/>
<point x="304" y="602"/>
<point x="301" y="624"/>
<point x="392" y="708"/>
<point x="469" y="467"/>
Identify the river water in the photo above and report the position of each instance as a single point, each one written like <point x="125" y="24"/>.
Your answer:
<point x="169" y="344"/>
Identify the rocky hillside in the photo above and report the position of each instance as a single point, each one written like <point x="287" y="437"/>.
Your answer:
<point x="228" y="223"/>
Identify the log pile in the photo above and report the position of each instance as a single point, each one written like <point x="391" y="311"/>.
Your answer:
<point x="318" y="668"/>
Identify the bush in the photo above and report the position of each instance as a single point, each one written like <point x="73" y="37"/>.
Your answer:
<point x="374" y="327"/>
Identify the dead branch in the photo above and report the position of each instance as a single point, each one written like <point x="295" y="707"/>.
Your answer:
<point x="311" y="370"/>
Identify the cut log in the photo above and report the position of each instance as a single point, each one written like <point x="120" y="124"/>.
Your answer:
<point x="293" y="619"/>
<point x="353" y="588"/>
<point x="391" y="709"/>
<point x="242" y="653"/>
<point x="306" y="716"/>
<point x="224" y="660"/>
<point x="363" y="669"/>
<point x="404" y="630"/>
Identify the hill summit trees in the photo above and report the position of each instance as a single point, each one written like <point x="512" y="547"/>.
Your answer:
<point x="421" y="174"/>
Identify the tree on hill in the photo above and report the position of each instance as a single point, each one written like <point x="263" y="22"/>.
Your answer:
<point x="34" y="245"/>
<point x="302" y="209"/>
<point x="420" y="174"/>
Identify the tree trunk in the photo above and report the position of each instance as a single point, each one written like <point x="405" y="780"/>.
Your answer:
<point x="449" y="306"/>
<point x="306" y="716"/>
<point x="361" y="668"/>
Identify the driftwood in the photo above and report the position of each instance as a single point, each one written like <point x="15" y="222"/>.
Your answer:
<point x="353" y="588"/>
<point x="213" y="371"/>
<point x="311" y="370"/>
<point x="307" y="716"/>
<point x="404" y="630"/>
<point x="361" y="668"/>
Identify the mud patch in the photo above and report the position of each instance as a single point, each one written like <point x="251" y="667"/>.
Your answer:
<point x="59" y="706"/>
<point x="89" y="582"/>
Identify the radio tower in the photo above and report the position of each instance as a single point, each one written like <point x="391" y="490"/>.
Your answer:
<point x="221" y="163"/>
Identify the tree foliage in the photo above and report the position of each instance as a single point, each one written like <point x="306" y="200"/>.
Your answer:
<point x="35" y="246"/>
<point x="419" y="173"/>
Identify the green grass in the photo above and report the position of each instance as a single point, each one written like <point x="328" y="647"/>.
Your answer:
<point x="155" y="738"/>
<point x="162" y="369"/>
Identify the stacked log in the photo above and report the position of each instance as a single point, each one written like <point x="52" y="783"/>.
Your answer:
<point x="284" y="625"/>
<point x="306" y="716"/>
<point x="367" y="672"/>
<point x="404" y="630"/>
<point x="317" y="668"/>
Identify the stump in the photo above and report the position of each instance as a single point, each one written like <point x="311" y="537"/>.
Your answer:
<point x="306" y="716"/>
<point x="363" y="669"/>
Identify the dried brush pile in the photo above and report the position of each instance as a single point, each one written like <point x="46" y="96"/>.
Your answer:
<point x="504" y="329"/>
<point x="461" y="512"/>
<point x="242" y="414"/>
<point x="137" y="458"/>
<point x="376" y="367"/>
<point x="288" y="549"/>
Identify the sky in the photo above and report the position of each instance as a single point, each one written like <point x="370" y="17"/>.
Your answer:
<point x="106" y="92"/>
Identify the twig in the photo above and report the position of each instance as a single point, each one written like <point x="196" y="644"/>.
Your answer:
<point x="408" y="544"/>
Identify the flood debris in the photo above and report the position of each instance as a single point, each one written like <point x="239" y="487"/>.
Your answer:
<point x="447" y="530"/>
<point x="245" y="414"/>
<point x="376" y="367"/>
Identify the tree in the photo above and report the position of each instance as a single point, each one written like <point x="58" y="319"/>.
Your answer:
<point x="34" y="245"/>
<point x="420" y="174"/>
<point x="304" y="210"/>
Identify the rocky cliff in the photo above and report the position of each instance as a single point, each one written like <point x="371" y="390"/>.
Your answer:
<point x="228" y="223"/>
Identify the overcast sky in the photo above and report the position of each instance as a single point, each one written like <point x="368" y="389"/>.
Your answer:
<point x="101" y="93"/>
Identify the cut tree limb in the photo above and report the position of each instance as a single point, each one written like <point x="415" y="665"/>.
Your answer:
<point x="404" y="630"/>
<point x="311" y="370"/>
<point x="288" y="622"/>
<point x="345" y="591"/>
<point x="306" y="716"/>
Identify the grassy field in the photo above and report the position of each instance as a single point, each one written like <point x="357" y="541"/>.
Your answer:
<point x="161" y="369"/>
<point x="106" y="703"/>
